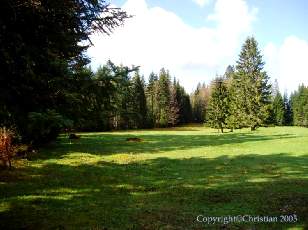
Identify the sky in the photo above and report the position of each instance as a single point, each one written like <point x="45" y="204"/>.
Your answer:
<point x="197" y="39"/>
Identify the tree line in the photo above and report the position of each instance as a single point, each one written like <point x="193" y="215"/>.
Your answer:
<point x="244" y="97"/>
<point x="117" y="97"/>
<point x="46" y="85"/>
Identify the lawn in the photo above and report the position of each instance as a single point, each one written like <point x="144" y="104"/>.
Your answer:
<point x="102" y="181"/>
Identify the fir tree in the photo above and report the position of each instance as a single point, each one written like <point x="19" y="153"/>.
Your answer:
<point x="251" y="87"/>
<point x="139" y="101"/>
<point x="218" y="105"/>
<point x="174" y="109"/>
<point x="288" y="111"/>
<point x="151" y="102"/>
<point x="278" y="109"/>
<point x="163" y="97"/>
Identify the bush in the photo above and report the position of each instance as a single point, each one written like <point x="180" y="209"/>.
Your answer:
<point x="6" y="146"/>
<point x="45" y="127"/>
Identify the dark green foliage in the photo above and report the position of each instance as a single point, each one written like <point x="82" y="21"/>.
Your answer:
<point x="288" y="117"/>
<point x="174" y="107"/>
<point x="218" y="104"/>
<point x="250" y="88"/>
<point x="139" y="102"/>
<point x="279" y="109"/>
<point x="44" y="127"/>
<point x="151" y="102"/>
<point x="299" y="102"/>
<point x="183" y="99"/>
<point x="163" y="98"/>
<point x="42" y="48"/>
<point x="167" y="104"/>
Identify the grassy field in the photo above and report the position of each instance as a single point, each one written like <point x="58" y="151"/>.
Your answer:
<point x="165" y="181"/>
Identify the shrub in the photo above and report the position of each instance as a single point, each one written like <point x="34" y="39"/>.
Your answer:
<point x="6" y="146"/>
<point x="45" y="127"/>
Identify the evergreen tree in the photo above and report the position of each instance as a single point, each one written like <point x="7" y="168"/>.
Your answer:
<point x="184" y="104"/>
<point x="187" y="109"/>
<point x="200" y="100"/>
<point x="279" y="109"/>
<point x="218" y="105"/>
<point x="42" y="49"/>
<point x="251" y="87"/>
<point x="139" y="102"/>
<point x="231" y="120"/>
<point x="299" y="102"/>
<point x="151" y="102"/>
<point x="288" y="111"/>
<point x="174" y="109"/>
<point x="163" y="97"/>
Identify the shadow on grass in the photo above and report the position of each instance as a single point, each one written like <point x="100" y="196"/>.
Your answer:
<point x="156" y="193"/>
<point x="109" y="143"/>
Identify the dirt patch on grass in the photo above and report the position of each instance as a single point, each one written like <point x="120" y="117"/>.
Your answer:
<point x="134" y="139"/>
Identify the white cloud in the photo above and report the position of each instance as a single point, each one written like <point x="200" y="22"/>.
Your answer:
<point x="156" y="38"/>
<point x="288" y="62"/>
<point x="201" y="3"/>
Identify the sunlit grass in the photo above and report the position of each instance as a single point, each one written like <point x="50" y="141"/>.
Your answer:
<point x="164" y="181"/>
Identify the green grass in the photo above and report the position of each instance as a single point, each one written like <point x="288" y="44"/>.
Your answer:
<point x="164" y="182"/>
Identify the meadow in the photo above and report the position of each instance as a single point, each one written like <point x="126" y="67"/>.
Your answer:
<point x="103" y="181"/>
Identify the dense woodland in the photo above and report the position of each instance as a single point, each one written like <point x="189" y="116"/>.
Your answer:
<point x="47" y="86"/>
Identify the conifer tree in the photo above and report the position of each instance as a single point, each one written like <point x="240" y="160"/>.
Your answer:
<point x="299" y="101"/>
<point x="163" y="97"/>
<point x="288" y="110"/>
<point x="139" y="101"/>
<point x="150" y="95"/>
<point x="174" y="109"/>
<point x="218" y="104"/>
<point x="200" y="100"/>
<point x="278" y="109"/>
<point x="251" y="87"/>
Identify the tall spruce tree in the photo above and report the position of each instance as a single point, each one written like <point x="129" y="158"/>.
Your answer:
<point x="139" y="102"/>
<point x="251" y="87"/>
<point x="279" y="109"/>
<point x="231" y="120"/>
<point x="218" y="104"/>
<point x="42" y="47"/>
<point x="163" y="97"/>
<point x="184" y="104"/>
<point x="288" y="110"/>
<point x="299" y="101"/>
<point x="151" y="102"/>
<point x="174" y="108"/>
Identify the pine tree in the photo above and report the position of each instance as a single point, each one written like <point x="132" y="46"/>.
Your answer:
<point x="218" y="105"/>
<point x="150" y="95"/>
<point x="184" y="104"/>
<point x="299" y="102"/>
<point x="174" y="109"/>
<point x="200" y="100"/>
<point x="288" y="111"/>
<point x="278" y="109"/>
<point x="43" y="49"/>
<point x="251" y="87"/>
<point x="232" y="119"/>
<point x="163" y="97"/>
<point x="139" y="102"/>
